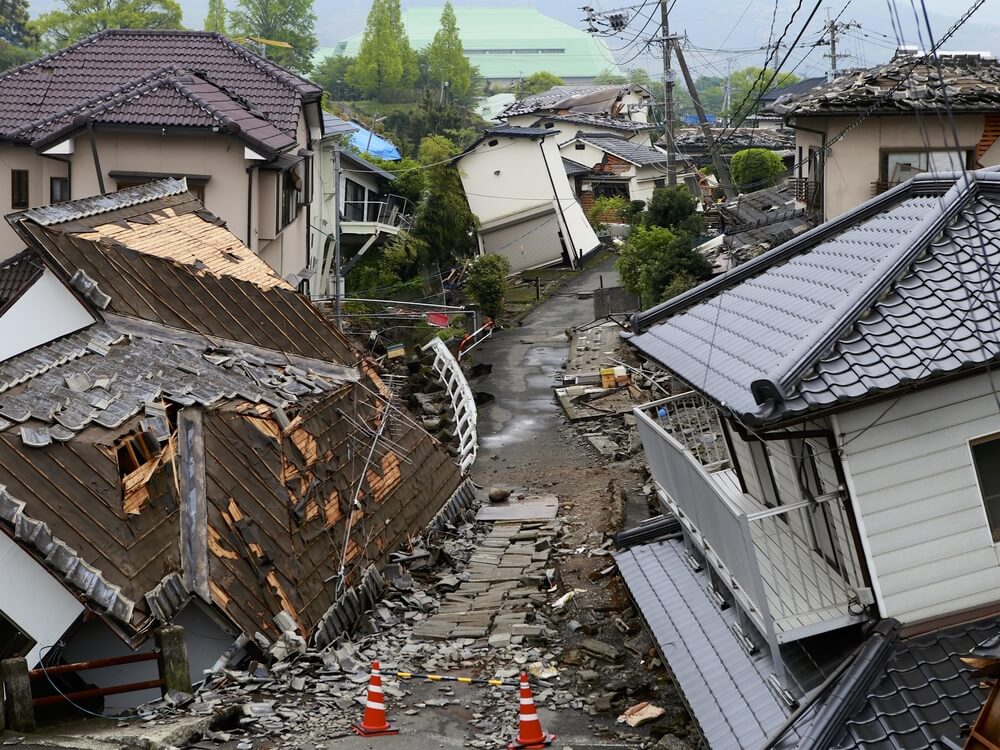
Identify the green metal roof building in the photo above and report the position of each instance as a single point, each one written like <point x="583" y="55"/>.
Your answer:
<point x="507" y="43"/>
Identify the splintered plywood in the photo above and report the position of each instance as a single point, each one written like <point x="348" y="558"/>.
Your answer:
<point x="191" y="240"/>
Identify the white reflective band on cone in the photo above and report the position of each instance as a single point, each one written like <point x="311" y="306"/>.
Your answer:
<point x="529" y="717"/>
<point x="373" y="704"/>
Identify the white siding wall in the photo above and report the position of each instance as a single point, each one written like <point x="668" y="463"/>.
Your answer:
<point x="915" y="484"/>
<point x="45" y="312"/>
<point x="35" y="601"/>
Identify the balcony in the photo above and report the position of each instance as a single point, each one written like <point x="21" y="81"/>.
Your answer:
<point x="388" y="215"/>
<point x="792" y="569"/>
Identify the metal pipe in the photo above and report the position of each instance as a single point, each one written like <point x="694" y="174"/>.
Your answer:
<point x="97" y="158"/>
<point x="131" y="687"/>
<point x="81" y="666"/>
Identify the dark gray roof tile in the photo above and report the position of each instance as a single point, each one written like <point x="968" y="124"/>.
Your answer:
<point x="938" y="316"/>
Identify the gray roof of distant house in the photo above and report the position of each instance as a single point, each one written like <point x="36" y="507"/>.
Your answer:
<point x="907" y="83"/>
<point x="876" y="299"/>
<point x="601" y="120"/>
<point x="583" y="98"/>
<point x="507" y="131"/>
<point x="793" y="89"/>
<point x="642" y="155"/>
<point x="367" y="166"/>
<point x="769" y="215"/>
<point x="333" y="125"/>
<point x="574" y="168"/>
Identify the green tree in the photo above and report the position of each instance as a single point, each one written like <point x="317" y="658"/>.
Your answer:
<point x="443" y="221"/>
<point x="654" y="261"/>
<point x="670" y="207"/>
<point x="331" y="74"/>
<point x="11" y="56"/>
<point x="15" y="24"/>
<point x="607" y="78"/>
<point x="447" y="64"/>
<point x="755" y="168"/>
<point x="486" y="283"/>
<point x="81" y="18"/>
<point x="541" y="81"/>
<point x="290" y="21"/>
<point x="385" y="61"/>
<point x="216" y="18"/>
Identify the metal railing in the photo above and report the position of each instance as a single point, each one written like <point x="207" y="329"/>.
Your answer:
<point x="809" y="192"/>
<point x="391" y="210"/>
<point x="791" y="567"/>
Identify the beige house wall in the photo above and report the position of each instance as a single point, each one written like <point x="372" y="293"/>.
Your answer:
<point x="854" y="162"/>
<point x="222" y="159"/>
<point x="40" y="169"/>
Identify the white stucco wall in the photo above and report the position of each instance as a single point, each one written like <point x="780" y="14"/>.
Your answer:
<point x="35" y="601"/>
<point x="45" y="312"/>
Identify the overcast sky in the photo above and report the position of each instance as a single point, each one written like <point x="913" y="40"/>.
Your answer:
<point x="732" y="25"/>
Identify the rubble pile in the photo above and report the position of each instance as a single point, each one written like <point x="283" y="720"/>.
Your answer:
<point x="478" y="600"/>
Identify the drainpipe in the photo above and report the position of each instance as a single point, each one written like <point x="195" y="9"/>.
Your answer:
<point x="97" y="158"/>
<point x="822" y="135"/>
<point x="249" y="203"/>
<point x="571" y="249"/>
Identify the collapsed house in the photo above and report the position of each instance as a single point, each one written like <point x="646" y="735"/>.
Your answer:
<point x="180" y="428"/>
<point x="516" y="185"/>
<point x="619" y="109"/>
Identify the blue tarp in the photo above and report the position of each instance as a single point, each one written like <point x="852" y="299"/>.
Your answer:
<point x="368" y="142"/>
<point x="693" y="119"/>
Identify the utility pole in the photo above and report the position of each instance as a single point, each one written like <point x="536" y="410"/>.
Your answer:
<point x="727" y="98"/>
<point x="830" y="31"/>
<point x="725" y="180"/>
<point x="668" y="95"/>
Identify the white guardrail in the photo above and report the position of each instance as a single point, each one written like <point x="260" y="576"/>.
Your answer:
<point x="463" y="403"/>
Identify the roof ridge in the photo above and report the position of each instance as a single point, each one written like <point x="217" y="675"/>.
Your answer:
<point x="74" y="109"/>
<point x="298" y="84"/>
<point x="73" y="210"/>
<point x="805" y="355"/>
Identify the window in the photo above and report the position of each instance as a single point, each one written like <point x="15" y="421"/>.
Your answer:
<point x="354" y="201"/>
<point x="611" y="190"/>
<point x="661" y="183"/>
<point x="19" y="188"/>
<point x="291" y="187"/>
<point x="58" y="189"/>
<point x="899" y="166"/>
<point x="986" y="457"/>
<point x="765" y="474"/>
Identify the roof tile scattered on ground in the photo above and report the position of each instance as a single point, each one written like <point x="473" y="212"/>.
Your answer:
<point x="768" y="319"/>
<point x="909" y="82"/>
<point x="111" y="59"/>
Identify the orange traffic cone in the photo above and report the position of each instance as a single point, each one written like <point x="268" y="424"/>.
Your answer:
<point x="530" y="734"/>
<point x="374" y="724"/>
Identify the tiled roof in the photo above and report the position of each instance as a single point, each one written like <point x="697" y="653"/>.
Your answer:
<point x="726" y="689"/>
<point x="894" y="292"/>
<point x="574" y="168"/>
<point x="767" y="216"/>
<point x="16" y="275"/>
<point x="103" y="63"/>
<point x="164" y="259"/>
<point x="639" y="154"/>
<point x="507" y="131"/>
<point x="794" y="89"/>
<point x="909" y="82"/>
<point x="167" y="98"/>
<point x="333" y="125"/>
<point x="925" y="696"/>
<point x="600" y="120"/>
<point x="562" y="97"/>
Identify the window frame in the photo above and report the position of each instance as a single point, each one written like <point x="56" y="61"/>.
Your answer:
<point x="971" y="442"/>
<point x="52" y="183"/>
<point x="14" y="189"/>
<point x="885" y="153"/>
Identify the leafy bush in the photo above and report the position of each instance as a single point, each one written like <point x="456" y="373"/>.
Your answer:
<point x="755" y="168"/>
<point x="611" y="210"/>
<point x="670" y="207"/>
<point x="658" y="263"/>
<point x="486" y="283"/>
